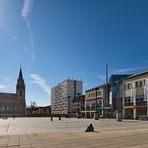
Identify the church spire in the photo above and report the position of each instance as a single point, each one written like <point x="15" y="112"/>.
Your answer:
<point x="20" y="74"/>
<point x="20" y="87"/>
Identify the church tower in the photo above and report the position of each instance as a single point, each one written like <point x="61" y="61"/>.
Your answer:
<point x="20" y="87"/>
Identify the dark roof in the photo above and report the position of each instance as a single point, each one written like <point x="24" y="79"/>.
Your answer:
<point x="119" y="75"/>
<point x="9" y="94"/>
<point x="94" y="88"/>
<point x="44" y="106"/>
<point x="135" y="75"/>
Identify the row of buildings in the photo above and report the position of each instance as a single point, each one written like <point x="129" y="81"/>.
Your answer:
<point x="124" y="94"/>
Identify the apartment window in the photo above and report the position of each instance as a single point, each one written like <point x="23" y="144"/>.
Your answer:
<point x="136" y="84"/>
<point x="125" y="86"/>
<point x="93" y="94"/>
<point x="99" y="93"/>
<point x="140" y="83"/>
<point x="126" y="100"/>
<point x="87" y="106"/>
<point x="93" y="104"/>
<point x="129" y="86"/>
<point x="140" y="98"/>
<point x="144" y="82"/>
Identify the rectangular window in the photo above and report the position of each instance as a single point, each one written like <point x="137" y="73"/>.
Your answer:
<point x="140" y="83"/>
<point x="129" y="86"/>
<point x="136" y="84"/>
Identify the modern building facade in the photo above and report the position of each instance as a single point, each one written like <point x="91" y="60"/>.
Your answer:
<point x="134" y="94"/>
<point x="78" y="106"/>
<point x="103" y="99"/>
<point x="14" y="103"/>
<point x="94" y="101"/>
<point x="62" y="96"/>
<point x="113" y="93"/>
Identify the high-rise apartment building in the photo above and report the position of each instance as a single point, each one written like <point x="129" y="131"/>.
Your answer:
<point x="63" y="94"/>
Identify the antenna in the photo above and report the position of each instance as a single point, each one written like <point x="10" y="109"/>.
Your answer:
<point x="106" y="74"/>
<point x="107" y="94"/>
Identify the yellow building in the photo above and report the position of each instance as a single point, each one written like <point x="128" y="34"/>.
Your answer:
<point x="135" y="96"/>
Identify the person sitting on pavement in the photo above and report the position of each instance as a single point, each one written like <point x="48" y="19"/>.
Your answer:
<point x="90" y="128"/>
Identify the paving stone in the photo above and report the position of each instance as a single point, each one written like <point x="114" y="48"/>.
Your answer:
<point x="69" y="133"/>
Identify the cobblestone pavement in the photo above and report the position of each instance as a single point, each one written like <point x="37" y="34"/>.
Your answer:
<point x="69" y="133"/>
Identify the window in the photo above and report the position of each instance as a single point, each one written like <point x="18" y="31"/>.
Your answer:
<point x="99" y="93"/>
<point x="129" y="86"/>
<point x="136" y="84"/>
<point x="126" y="100"/>
<point x="93" y="94"/>
<point x="140" y="83"/>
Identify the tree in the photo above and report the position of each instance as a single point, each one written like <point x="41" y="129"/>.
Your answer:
<point x="33" y="106"/>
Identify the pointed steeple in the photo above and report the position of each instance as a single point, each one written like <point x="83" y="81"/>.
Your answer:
<point x="20" y="74"/>
<point x="20" y="86"/>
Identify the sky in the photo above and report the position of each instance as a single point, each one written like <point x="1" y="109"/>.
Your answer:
<point x="53" y="40"/>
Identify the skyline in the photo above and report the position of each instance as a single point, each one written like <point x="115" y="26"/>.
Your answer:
<point x="57" y="40"/>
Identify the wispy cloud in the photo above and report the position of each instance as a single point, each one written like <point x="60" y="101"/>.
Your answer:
<point x="6" y="86"/>
<point x="102" y="77"/>
<point x="30" y="32"/>
<point x="128" y="69"/>
<point x="2" y="86"/>
<point x="37" y="79"/>
<point x="26" y="10"/>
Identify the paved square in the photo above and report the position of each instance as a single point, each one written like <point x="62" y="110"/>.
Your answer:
<point x="69" y="133"/>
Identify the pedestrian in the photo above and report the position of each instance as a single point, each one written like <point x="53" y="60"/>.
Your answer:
<point x="90" y="128"/>
<point x="51" y="118"/>
<point x="59" y="117"/>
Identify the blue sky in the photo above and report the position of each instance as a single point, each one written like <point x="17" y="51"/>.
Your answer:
<point x="58" y="39"/>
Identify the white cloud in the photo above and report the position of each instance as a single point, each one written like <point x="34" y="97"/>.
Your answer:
<point x="102" y="77"/>
<point x="128" y="69"/>
<point x="37" y="79"/>
<point x="26" y="9"/>
<point x="2" y="86"/>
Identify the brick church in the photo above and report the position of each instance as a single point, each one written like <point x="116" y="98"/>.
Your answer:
<point x="14" y="103"/>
